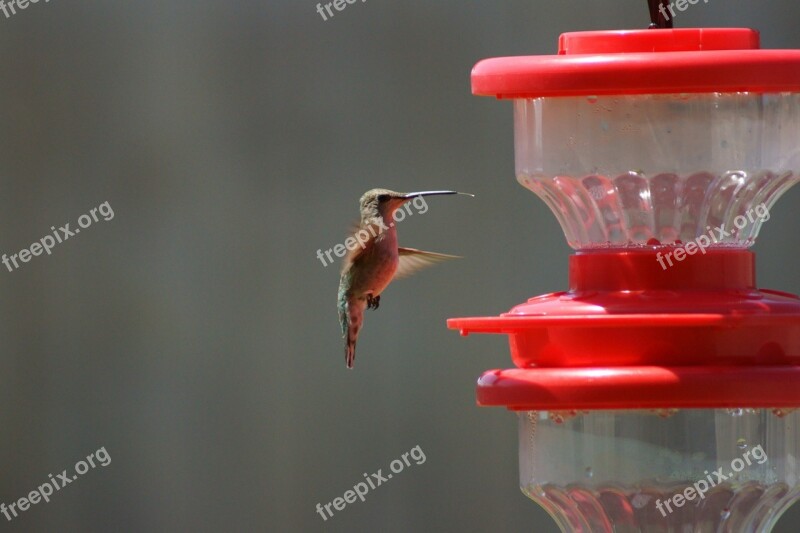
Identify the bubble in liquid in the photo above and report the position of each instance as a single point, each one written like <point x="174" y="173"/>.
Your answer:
<point x="591" y="99"/>
<point x="589" y="473"/>
<point x="559" y="417"/>
<point x="735" y="412"/>
<point x="780" y="413"/>
<point x="640" y="500"/>
<point x="741" y="444"/>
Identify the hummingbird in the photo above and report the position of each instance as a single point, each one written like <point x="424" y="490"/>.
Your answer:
<point x="369" y="268"/>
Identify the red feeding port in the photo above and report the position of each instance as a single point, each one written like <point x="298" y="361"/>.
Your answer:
<point x="630" y="334"/>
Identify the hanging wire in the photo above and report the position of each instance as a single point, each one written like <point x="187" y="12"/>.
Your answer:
<point x="657" y="18"/>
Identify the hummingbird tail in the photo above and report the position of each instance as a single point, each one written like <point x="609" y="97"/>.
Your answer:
<point x="352" y="314"/>
<point x="350" y="353"/>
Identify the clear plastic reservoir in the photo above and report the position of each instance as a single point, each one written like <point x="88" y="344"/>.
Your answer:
<point x="670" y="470"/>
<point x="659" y="169"/>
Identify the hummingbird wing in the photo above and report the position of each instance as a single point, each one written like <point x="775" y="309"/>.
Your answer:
<point x="412" y="260"/>
<point x="359" y="231"/>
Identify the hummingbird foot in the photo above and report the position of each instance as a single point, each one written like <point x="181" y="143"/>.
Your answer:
<point x="373" y="302"/>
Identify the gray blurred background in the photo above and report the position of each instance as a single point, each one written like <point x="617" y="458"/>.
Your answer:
<point x="195" y="335"/>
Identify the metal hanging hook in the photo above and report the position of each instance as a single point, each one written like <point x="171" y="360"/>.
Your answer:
<point x="657" y="18"/>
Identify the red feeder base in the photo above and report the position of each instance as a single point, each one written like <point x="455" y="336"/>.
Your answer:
<point x="634" y="332"/>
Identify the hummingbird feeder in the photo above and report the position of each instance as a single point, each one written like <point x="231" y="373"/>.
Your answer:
<point x="659" y="392"/>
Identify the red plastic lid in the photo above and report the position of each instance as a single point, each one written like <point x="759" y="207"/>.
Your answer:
<point x="686" y="60"/>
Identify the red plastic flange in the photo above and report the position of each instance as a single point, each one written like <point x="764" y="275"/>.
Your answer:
<point x="640" y="388"/>
<point x="624" y="313"/>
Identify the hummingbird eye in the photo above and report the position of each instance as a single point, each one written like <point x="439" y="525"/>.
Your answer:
<point x="383" y="197"/>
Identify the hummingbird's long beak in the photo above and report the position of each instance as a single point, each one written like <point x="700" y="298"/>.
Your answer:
<point x="411" y="195"/>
